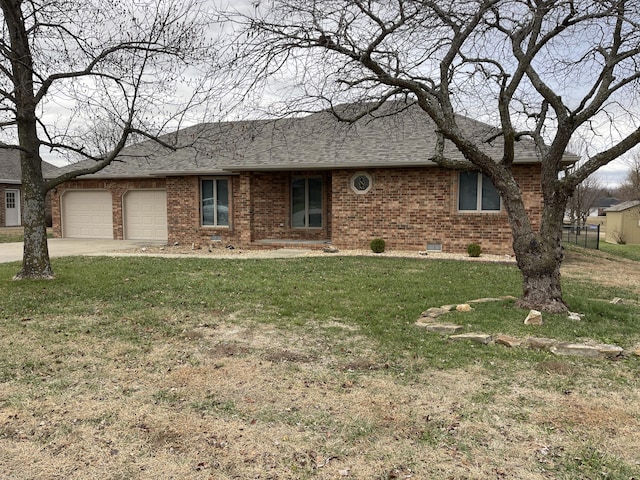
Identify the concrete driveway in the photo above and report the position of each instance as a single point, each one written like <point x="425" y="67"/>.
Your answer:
<point x="65" y="247"/>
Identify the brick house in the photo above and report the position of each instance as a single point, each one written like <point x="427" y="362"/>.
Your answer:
<point x="11" y="188"/>
<point x="306" y="180"/>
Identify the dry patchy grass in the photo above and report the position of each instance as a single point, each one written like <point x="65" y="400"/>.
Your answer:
<point x="233" y="398"/>
<point x="242" y="400"/>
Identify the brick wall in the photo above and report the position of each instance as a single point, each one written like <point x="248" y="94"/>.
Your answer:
<point x="272" y="210"/>
<point x="411" y="207"/>
<point x="259" y="210"/>
<point x="3" y="220"/>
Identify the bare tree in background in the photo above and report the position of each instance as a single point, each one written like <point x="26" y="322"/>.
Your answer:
<point x="584" y="200"/>
<point x="630" y="188"/>
<point x="547" y="70"/>
<point x="81" y="77"/>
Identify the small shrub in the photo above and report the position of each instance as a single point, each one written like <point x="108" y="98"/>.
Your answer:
<point x="377" y="245"/>
<point x="619" y="237"/>
<point x="474" y="250"/>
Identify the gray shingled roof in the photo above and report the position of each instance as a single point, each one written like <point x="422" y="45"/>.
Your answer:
<point x="623" y="206"/>
<point x="10" y="169"/>
<point x="318" y="141"/>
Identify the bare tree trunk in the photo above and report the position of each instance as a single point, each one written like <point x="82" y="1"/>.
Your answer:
<point x="35" y="261"/>
<point x="538" y="254"/>
<point x="539" y="261"/>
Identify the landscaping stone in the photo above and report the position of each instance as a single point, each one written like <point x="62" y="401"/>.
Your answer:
<point x="610" y="351"/>
<point x="507" y="297"/>
<point x="429" y="323"/>
<point x="540" y="343"/>
<point x="330" y="249"/>
<point x="484" y="300"/>
<point x="433" y="312"/>
<point x="534" y="318"/>
<point x="576" y="317"/>
<point x="464" y="307"/>
<point x="482" y="338"/>
<point x="508" y="341"/>
<point x="447" y="328"/>
<point x="577" y="349"/>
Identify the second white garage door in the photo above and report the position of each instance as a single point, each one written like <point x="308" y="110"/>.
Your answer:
<point x="145" y="215"/>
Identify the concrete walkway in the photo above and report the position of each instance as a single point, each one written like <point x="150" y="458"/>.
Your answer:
<point x="64" y="247"/>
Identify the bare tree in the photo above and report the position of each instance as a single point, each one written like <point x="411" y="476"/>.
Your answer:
<point x="630" y="188"/>
<point x="584" y="199"/>
<point x="81" y="77"/>
<point x="549" y="70"/>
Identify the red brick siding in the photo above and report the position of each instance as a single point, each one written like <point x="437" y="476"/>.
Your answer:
<point x="183" y="213"/>
<point x="3" y="219"/>
<point x="272" y="207"/>
<point x="411" y="207"/>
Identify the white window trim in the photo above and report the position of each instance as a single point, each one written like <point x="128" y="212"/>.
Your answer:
<point x="478" y="208"/>
<point x="214" y="200"/>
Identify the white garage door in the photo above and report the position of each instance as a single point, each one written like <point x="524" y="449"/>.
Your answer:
<point x="87" y="214"/>
<point x="145" y="215"/>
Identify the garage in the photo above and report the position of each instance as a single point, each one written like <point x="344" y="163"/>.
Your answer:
<point x="145" y="215"/>
<point x="87" y="214"/>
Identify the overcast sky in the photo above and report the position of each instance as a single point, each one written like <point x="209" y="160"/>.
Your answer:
<point x="609" y="176"/>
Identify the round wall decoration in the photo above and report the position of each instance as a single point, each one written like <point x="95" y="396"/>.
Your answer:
<point x="361" y="182"/>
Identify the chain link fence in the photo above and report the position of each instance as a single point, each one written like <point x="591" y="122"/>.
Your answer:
<point x="587" y="236"/>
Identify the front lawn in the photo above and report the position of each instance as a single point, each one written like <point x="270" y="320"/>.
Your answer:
<point x="304" y="368"/>
<point x="632" y="252"/>
<point x="14" y="234"/>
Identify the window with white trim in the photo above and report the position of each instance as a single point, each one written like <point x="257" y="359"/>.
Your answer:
<point x="306" y="202"/>
<point x="476" y="193"/>
<point x="214" y="202"/>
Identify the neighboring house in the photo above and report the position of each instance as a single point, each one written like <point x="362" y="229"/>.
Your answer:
<point x="601" y="205"/>
<point x="623" y="223"/>
<point x="11" y="188"/>
<point x="306" y="180"/>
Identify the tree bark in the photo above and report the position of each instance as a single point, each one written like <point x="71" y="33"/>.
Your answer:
<point x="539" y="261"/>
<point x="539" y="254"/>
<point x="35" y="262"/>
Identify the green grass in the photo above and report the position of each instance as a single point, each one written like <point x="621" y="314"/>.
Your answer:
<point x="11" y="237"/>
<point x="632" y="252"/>
<point x="134" y="349"/>
<point x="139" y="299"/>
<point x="14" y="235"/>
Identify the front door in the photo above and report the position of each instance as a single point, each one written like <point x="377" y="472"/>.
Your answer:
<point x="12" y="208"/>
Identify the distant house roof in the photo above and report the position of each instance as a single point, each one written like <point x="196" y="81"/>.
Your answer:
<point x="606" y="202"/>
<point x="623" y="206"/>
<point x="10" y="169"/>
<point x="396" y="135"/>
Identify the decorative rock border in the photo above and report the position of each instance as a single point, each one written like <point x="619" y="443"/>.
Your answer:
<point x="428" y="321"/>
